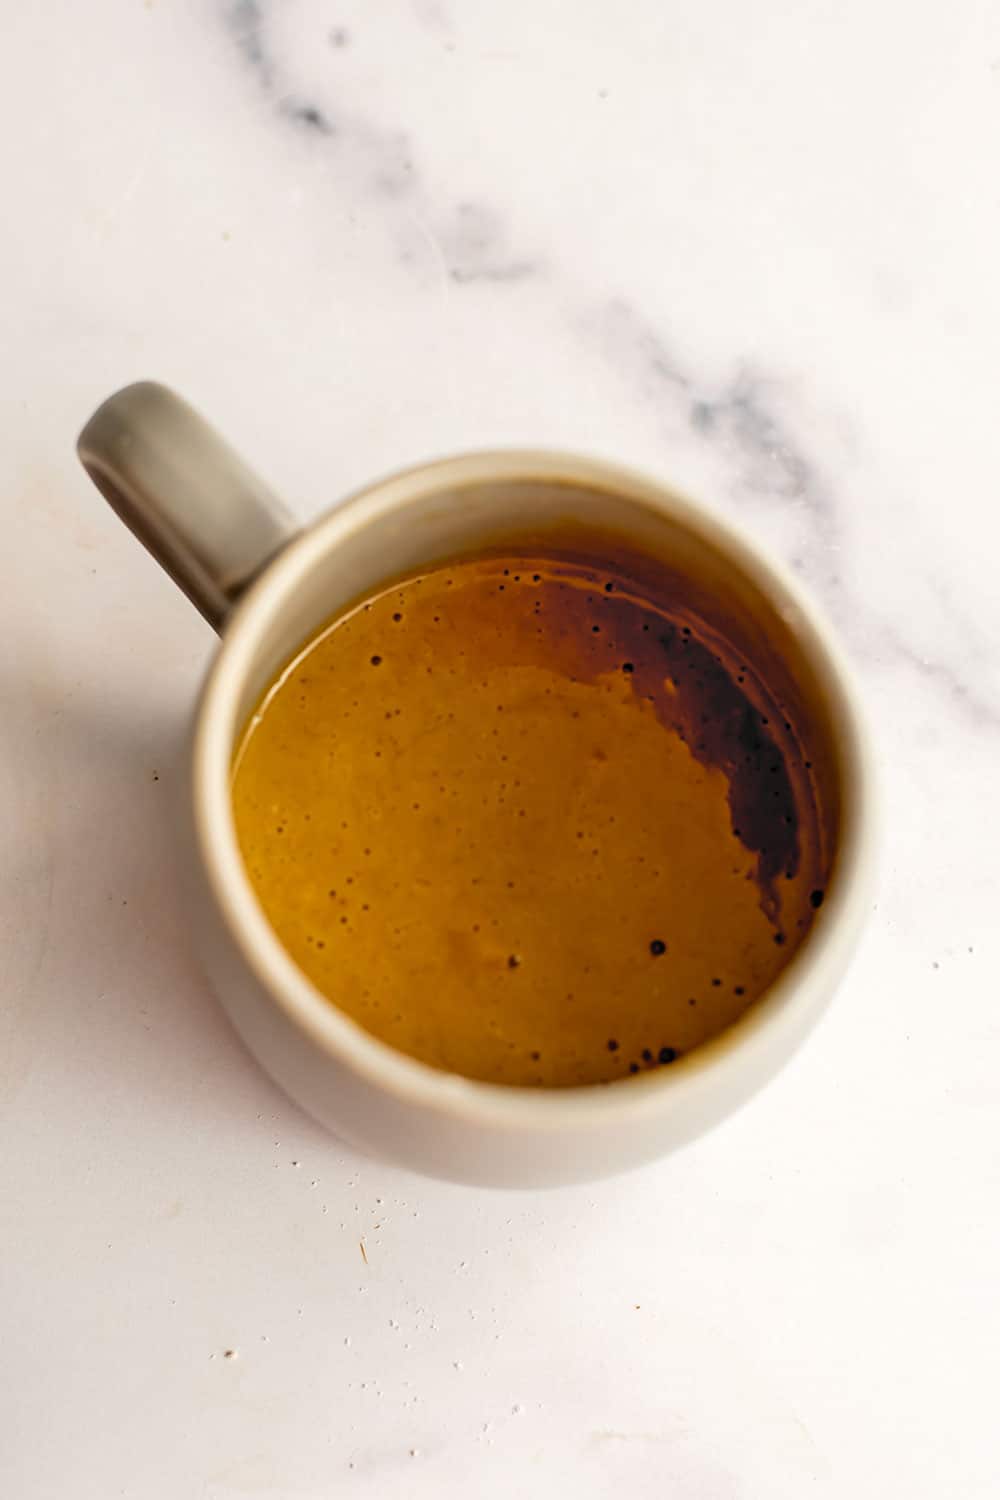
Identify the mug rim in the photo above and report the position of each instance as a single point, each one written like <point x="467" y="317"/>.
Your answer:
<point x="800" y="985"/>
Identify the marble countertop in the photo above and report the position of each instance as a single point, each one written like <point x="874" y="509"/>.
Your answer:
<point x="752" y="249"/>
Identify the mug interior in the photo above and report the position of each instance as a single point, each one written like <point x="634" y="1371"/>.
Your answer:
<point x="462" y="507"/>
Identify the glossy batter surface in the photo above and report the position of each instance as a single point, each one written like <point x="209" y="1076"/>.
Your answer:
<point x="527" y="825"/>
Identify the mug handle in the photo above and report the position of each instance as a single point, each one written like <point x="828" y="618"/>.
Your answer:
<point x="188" y="497"/>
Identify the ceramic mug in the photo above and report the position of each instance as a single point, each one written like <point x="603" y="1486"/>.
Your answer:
<point x="267" y="585"/>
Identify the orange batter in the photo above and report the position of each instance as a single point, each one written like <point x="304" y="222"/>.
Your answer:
<point x="527" y="824"/>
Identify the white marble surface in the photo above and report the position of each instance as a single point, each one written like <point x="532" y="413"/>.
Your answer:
<point x="753" y="248"/>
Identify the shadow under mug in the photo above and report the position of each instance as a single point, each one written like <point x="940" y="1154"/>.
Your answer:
<point x="267" y="586"/>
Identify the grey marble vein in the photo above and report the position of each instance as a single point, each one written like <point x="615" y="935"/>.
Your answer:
<point x="245" y="19"/>
<point x="474" y="246"/>
<point x="514" y="270"/>
<point x="469" y="239"/>
<point x="308" y="116"/>
<point x="433" y="16"/>
<point x="973" y="704"/>
<point x="739" y="418"/>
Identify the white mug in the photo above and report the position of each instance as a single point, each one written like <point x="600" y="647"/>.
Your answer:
<point x="267" y="586"/>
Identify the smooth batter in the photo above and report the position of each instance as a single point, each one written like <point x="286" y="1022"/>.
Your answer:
<point x="527" y="825"/>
